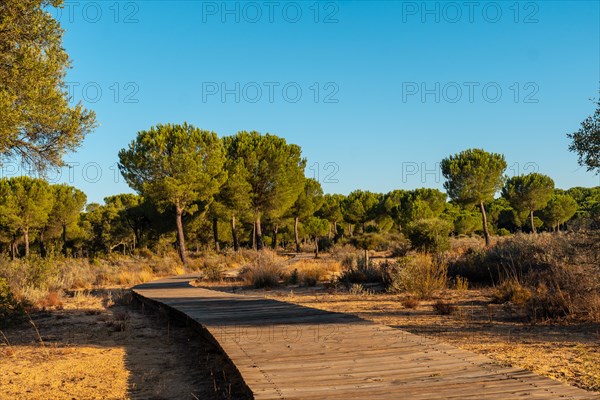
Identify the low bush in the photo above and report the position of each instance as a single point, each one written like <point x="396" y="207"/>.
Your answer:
<point x="311" y="272"/>
<point x="553" y="275"/>
<point x="212" y="270"/>
<point x="265" y="271"/>
<point x="11" y="309"/>
<point x="461" y="285"/>
<point x="443" y="308"/>
<point x="420" y="274"/>
<point x="430" y="235"/>
<point x="357" y="289"/>
<point x="409" y="302"/>
<point x="357" y="270"/>
<point x="512" y="291"/>
<point x="400" y="246"/>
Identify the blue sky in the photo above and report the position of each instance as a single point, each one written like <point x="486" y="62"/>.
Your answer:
<point x="375" y="93"/>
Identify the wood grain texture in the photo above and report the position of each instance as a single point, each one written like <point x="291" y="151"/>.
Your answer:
<point x="286" y="351"/>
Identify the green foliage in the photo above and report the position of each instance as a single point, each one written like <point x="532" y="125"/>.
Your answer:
<point x="586" y="141"/>
<point x="473" y="176"/>
<point x="309" y="200"/>
<point x="37" y="124"/>
<point x="369" y="241"/>
<point x="25" y="204"/>
<point x="67" y="206"/>
<point x="430" y="235"/>
<point x="331" y="209"/>
<point x="466" y="222"/>
<point x="176" y="166"/>
<point x="559" y="210"/>
<point x="360" y="207"/>
<point x="529" y="193"/>
<point x="588" y="202"/>
<point x="273" y="171"/>
<point x="316" y="227"/>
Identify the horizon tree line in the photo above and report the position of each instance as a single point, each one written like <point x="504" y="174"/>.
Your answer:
<point x="194" y="186"/>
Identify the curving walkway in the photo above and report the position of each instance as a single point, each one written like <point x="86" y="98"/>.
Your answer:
<point x="286" y="351"/>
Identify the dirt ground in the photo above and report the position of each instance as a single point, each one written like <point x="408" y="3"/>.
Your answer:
<point x="566" y="352"/>
<point x="100" y="346"/>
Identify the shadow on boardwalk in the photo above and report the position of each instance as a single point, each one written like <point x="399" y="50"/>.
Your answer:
<point x="286" y="351"/>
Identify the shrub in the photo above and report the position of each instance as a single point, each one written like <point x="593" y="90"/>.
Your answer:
<point x="553" y="275"/>
<point x="357" y="270"/>
<point x="461" y="285"/>
<point x="400" y="246"/>
<point x="419" y="274"/>
<point x="293" y="277"/>
<point x="341" y="252"/>
<point x="311" y="272"/>
<point x="443" y="308"/>
<point x="565" y="291"/>
<point x="409" y="302"/>
<point x="11" y="310"/>
<point x="265" y="271"/>
<point x="430" y="235"/>
<point x="357" y="289"/>
<point x="512" y="291"/>
<point x="325" y="244"/>
<point x="212" y="270"/>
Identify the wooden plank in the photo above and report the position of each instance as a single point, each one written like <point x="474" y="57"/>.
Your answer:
<point x="286" y="351"/>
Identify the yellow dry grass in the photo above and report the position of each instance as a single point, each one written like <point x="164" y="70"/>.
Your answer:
<point x="97" y="348"/>
<point x="314" y="270"/>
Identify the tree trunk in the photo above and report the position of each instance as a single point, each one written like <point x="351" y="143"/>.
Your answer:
<point x="136" y="237"/>
<point x="64" y="238"/>
<point x="532" y="222"/>
<point x="366" y="258"/>
<point x="43" y="251"/>
<point x="296" y="219"/>
<point x="236" y="245"/>
<point x="181" y="237"/>
<point x="329" y="233"/>
<point x="275" y="231"/>
<point x="486" y="233"/>
<point x="335" y="231"/>
<point x="350" y="230"/>
<point x="216" y="234"/>
<point x="26" y="238"/>
<point x="13" y="247"/>
<point x="316" y="247"/>
<point x="259" y="241"/>
<point x="254" y="235"/>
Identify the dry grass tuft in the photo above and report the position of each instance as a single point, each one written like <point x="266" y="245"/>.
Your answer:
<point x="444" y="308"/>
<point x="409" y="302"/>
<point x="420" y="274"/>
<point x="267" y="270"/>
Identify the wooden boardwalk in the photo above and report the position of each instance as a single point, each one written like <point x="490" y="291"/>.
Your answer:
<point x="285" y="351"/>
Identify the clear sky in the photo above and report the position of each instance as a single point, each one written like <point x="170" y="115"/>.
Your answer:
<point x="375" y="93"/>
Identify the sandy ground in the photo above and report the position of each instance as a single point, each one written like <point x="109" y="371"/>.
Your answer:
<point x="566" y="352"/>
<point x="91" y="348"/>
